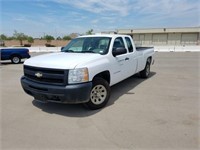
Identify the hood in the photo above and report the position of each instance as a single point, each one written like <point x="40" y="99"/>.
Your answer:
<point x="61" y="60"/>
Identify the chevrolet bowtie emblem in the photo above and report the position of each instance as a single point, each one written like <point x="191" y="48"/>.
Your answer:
<point x="38" y="74"/>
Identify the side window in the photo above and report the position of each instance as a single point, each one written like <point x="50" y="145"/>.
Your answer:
<point x="129" y="44"/>
<point x="118" y="43"/>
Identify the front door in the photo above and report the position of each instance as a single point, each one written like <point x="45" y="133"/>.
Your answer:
<point x="119" y="64"/>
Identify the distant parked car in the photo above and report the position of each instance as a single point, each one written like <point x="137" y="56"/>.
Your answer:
<point x="14" y="54"/>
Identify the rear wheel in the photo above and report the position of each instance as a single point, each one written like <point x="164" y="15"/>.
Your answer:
<point x="146" y="72"/>
<point x="99" y="94"/>
<point x="15" y="59"/>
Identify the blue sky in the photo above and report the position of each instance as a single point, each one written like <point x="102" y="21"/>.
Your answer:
<point x="62" y="17"/>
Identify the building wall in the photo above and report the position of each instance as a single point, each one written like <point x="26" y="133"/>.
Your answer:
<point x="164" y="36"/>
<point x="189" y="39"/>
<point x="174" y="39"/>
<point x="177" y="39"/>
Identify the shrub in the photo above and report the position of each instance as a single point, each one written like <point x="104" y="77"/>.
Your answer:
<point x="49" y="45"/>
<point x="27" y="45"/>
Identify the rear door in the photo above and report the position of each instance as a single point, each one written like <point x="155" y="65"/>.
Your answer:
<point x="132" y="55"/>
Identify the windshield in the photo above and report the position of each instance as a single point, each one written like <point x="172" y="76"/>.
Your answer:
<point x="98" y="45"/>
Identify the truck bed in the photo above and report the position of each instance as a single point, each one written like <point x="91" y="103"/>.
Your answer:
<point x="143" y="48"/>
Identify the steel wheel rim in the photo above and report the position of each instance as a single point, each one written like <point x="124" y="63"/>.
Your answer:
<point x="15" y="59"/>
<point x="98" y="94"/>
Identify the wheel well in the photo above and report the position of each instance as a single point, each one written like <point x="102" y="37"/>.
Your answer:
<point x="149" y="59"/>
<point x="15" y="55"/>
<point x="105" y="75"/>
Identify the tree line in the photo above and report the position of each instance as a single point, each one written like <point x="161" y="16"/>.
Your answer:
<point x="21" y="37"/>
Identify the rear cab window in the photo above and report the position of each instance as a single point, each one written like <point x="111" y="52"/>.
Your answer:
<point x="129" y="44"/>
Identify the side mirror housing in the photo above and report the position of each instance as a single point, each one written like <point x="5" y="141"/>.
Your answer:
<point x="119" y="51"/>
<point x="62" y="48"/>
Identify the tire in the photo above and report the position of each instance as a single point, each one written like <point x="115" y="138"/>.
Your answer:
<point x="16" y="59"/>
<point x="146" y="72"/>
<point x="99" y="94"/>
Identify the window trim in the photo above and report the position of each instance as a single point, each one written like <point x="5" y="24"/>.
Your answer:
<point x="128" y="38"/>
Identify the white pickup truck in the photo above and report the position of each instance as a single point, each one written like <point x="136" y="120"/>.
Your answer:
<point x="85" y="69"/>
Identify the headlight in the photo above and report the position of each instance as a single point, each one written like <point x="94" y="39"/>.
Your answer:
<point x="78" y="75"/>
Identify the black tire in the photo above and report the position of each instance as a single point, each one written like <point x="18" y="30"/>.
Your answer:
<point x="16" y="59"/>
<point x="99" y="94"/>
<point x="146" y="72"/>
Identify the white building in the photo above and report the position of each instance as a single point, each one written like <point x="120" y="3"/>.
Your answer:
<point x="189" y="36"/>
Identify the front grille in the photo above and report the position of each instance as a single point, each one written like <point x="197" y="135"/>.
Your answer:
<point x="48" y="75"/>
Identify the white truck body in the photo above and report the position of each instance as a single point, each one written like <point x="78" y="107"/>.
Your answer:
<point x="118" y="67"/>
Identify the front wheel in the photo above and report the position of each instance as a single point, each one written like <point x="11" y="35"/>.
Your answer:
<point x="99" y="94"/>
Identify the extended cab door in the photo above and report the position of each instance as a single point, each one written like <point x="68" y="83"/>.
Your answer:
<point x="132" y="55"/>
<point x="120" y="63"/>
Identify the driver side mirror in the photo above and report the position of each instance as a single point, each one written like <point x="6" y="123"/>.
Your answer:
<point x="62" y="48"/>
<point x="119" y="51"/>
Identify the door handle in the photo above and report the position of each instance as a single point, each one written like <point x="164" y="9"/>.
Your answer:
<point x="126" y="58"/>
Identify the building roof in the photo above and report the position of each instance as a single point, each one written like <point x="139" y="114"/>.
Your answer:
<point x="159" y="30"/>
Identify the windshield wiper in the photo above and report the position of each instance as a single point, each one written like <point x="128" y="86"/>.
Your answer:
<point x="70" y="51"/>
<point x="87" y="52"/>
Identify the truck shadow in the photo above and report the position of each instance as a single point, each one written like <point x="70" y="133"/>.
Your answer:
<point x="77" y="110"/>
<point x="125" y="87"/>
<point x="10" y="63"/>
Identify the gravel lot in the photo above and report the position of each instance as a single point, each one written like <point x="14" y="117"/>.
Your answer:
<point x="162" y="112"/>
